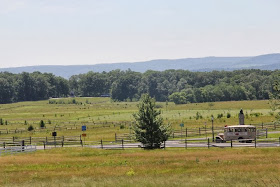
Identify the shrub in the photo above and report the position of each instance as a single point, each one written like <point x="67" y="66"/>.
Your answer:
<point x="42" y="124"/>
<point x="228" y="115"/>
<point x="220" y="115"/>
<point x="198" y="116"/>
<point x="30" y="128"/>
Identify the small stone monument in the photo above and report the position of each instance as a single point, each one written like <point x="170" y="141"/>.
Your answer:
<point x="241" y="117"/>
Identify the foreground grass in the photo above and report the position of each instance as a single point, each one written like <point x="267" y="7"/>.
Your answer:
<point x="134" y="167"/>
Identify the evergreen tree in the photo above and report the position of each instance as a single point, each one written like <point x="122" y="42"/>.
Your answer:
<point x="149" y="128"/>
<point x="42" y="124"/>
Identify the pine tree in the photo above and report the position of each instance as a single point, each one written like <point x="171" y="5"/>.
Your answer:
<point x="42" y="124"/>
<point x="149" y="128"/>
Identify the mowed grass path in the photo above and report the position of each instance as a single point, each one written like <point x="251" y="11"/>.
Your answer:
<point x="170" y="167"/>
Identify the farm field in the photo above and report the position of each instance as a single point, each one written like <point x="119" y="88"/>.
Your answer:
<point x="107" y="118"/>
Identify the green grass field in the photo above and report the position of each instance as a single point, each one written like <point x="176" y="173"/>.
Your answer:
<point x="103" y="110"/>
<point x="135" y="167"/>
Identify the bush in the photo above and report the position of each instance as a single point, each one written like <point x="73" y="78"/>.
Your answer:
<point x="42" y="124"/>
<point x="30" y="128"/>
<point x="198" y="116"/>
<point x="220" y="115"/>
<point x="228" y="115"/>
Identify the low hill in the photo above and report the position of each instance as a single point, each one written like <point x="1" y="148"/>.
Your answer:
<point x="264" y="62"/>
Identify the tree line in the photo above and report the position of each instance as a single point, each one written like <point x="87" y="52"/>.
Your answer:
<point x="31" y="86"/>
<point x="179" y="86"/>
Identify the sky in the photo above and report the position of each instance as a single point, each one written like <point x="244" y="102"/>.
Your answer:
<point x="76" y="32"/>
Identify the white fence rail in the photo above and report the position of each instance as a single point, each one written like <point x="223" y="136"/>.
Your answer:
<point x="17" y="149"/>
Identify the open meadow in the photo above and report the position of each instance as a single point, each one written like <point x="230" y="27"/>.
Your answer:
<point x="134" y="167"/>
<point x="107" y="118"/>
<point x="83" y="166"/>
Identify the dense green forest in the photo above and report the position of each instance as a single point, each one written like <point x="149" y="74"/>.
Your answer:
<point x="179" y="86"/>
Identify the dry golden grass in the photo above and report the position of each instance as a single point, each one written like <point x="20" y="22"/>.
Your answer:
<point x="171" y="167"/>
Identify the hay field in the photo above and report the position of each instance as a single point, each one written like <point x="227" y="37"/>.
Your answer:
<point x="170" y="167"/>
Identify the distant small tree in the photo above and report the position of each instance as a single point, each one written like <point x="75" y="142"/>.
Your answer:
<point x="6" y="122"/>
<point x="228" y="115"/>
<point x="1" y="121"/>
<point x="42" y="124"/>
<point x="25" y="122"/>
<point x="149" y="128"/>
<point x="30" y="128"/>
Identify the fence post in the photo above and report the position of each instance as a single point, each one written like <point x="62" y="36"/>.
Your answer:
<point x="186" y="132"/>
<point x="266" y="133"/>
<point x="101" y="144"/>
<point x="62" y="143"/>
<point x="4" y="144"/>
<point x="22" y="145"/>
<point x="13" y="139"/>
<point x="122" y="144"/>
<point x="186" y="144"/>
<point x="262" y="125"/>
<point x="164" y="144"/>
<point x="231" y="143"/>
<point x="173" y="134"/>
<point x="208" y="143"/>
<point x="199" y="131"/>
<point x="30" y="140"/>
<point x="115" y="137"/>
<point x="44" y="145"/>
<point x="255" y="142"/>
<point x="82" y="143"/>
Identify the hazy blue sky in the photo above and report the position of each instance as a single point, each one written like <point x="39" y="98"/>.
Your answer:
<point x="48" y="32"/>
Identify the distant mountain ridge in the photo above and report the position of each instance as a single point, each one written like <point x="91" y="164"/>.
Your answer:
<point x="263" y="62"/>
